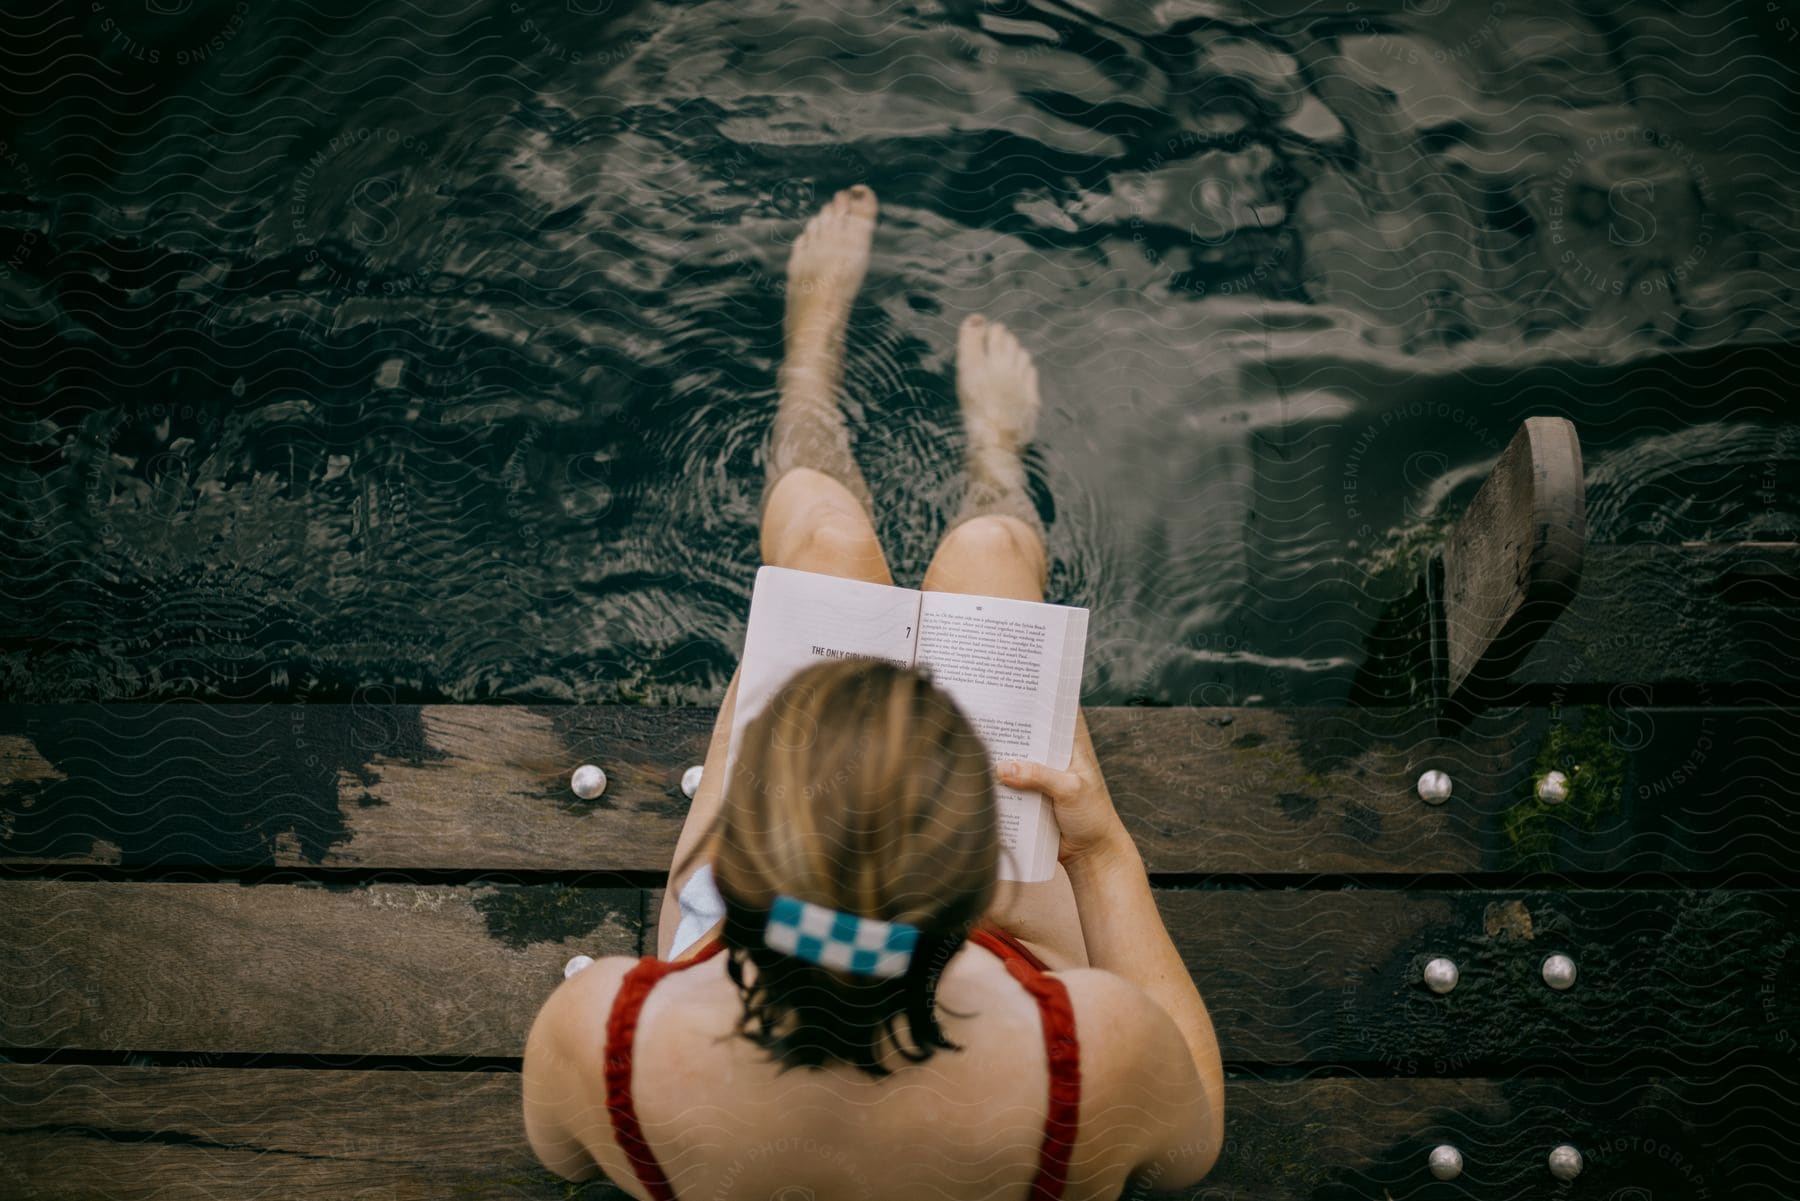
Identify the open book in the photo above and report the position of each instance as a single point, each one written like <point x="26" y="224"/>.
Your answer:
<point x="1013" y="667"/>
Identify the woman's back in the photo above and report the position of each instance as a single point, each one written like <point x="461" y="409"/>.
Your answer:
<point x="718" y="1121"/>
<point x="855" y="855"/>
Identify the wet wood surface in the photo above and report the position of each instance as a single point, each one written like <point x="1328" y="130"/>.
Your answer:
<point x="1290" y="976"/>
<point x="289" y="910"/>
<point x="77" y="1131"/>
<point x="1296" y="791"/>
<point x="388" y="969"/>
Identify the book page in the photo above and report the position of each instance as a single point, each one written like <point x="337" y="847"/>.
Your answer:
<point x="799" y="618"/>
<point x="1014" y="668"/>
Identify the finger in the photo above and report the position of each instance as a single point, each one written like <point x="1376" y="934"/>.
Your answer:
<point x="1023" y="773"/>
<point x="1014" y="772"/>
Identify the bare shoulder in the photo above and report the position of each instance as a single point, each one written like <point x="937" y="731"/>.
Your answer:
<point x="578" y="1007"/>
<point x="566" y="1038"/>
<point x="1111" y="1016"/>
<point x="569" y="1033"/>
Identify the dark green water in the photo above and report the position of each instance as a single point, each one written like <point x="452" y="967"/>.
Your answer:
<point x="424" y="351"/>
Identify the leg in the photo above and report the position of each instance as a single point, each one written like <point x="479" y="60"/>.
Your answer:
<point x="811" y="523"/>
<point x="995" y="547"/>
<point x="825" y="269"/>
<point x="997" y="390"/>
<point x="815" y="506"/>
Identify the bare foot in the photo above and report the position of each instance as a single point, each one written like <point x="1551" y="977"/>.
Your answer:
<point x="996" y="385"/>
<point x="826" y="268"/>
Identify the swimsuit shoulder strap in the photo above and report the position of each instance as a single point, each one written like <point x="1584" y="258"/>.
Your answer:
<point x="1064" y="1052"/>
<point x="621" y="1030"/>
<point x="1052" y="998"/>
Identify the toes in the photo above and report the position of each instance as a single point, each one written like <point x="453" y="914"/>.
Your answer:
<point x="1015" y="349"/>
<point x="859" y="201"/>
<point x="836" y="213"/>
<point x="969" y="340"/>
<point x="998" y="340"/>
<point x="1004" y="350"/>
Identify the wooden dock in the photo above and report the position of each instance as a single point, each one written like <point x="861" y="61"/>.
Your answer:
<point x="274" y="951"/>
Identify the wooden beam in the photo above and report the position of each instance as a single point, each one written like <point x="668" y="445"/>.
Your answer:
<point x="1291" y="976"/>
<point x="73" y="1132"/>
<point x="342" y="785"/>
<point x="1513" y="560"/>
<point x="1297" y="977"/>
<point x="370" y="969"/>
<point x="1202" y="790"/>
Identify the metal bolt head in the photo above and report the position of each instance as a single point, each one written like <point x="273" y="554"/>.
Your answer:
<point x="1434" y="787"/>
<point x="1559" y="971"/>
<point x="1565" y="1162"/>
<point x="690" y="780"/>
<point x="1446" y="1162"/>
<point x="1441" y="975"/>
<point x="588" y="782"/>
<point x="1553" y="788"/>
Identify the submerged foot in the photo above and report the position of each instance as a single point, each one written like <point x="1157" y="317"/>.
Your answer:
<point x="826" y="268"/>
<point x="996" y="385"/>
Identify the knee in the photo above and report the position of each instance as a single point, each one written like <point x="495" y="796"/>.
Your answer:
<point x="835" y="544"/>
<point x="996" y="546"/>
<point x="992" y="537"/>
<point x="990" y="554"/>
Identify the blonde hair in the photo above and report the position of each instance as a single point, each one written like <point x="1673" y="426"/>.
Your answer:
<point x="863" y="788"/>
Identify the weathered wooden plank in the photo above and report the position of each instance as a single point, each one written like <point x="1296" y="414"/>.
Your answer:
<point x="1305" y="790"/>
<point x="76" y="1131"/>
<point x="1202" y="790"/>
<point x="69" y="1131"/>
<point x="342" y="785"/>
<point x="1305" y="976"/>
<point x="1325" y="791"/>
<point x="1713" y="618"/>
<point x="1291" y="976"/>
<point x="1514" y="558"/>
<point x="1714" y="1133"/>
<point x="379" y="968"/>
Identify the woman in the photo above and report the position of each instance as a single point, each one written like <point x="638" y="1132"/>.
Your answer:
<point x="1004" y="1041"/>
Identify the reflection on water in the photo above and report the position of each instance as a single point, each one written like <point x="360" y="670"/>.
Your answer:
<point x="411" y="350"/>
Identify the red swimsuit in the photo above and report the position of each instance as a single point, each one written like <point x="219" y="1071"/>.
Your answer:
<point x="1059" y="1040"/>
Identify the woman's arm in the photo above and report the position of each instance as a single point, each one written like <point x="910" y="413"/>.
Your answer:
<point x="1125" y="936"/>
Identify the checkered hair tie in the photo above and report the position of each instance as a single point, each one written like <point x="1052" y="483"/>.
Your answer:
<point x="863" y="946"/>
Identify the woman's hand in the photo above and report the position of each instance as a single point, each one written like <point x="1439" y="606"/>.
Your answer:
<point x="1084" y="808"/>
